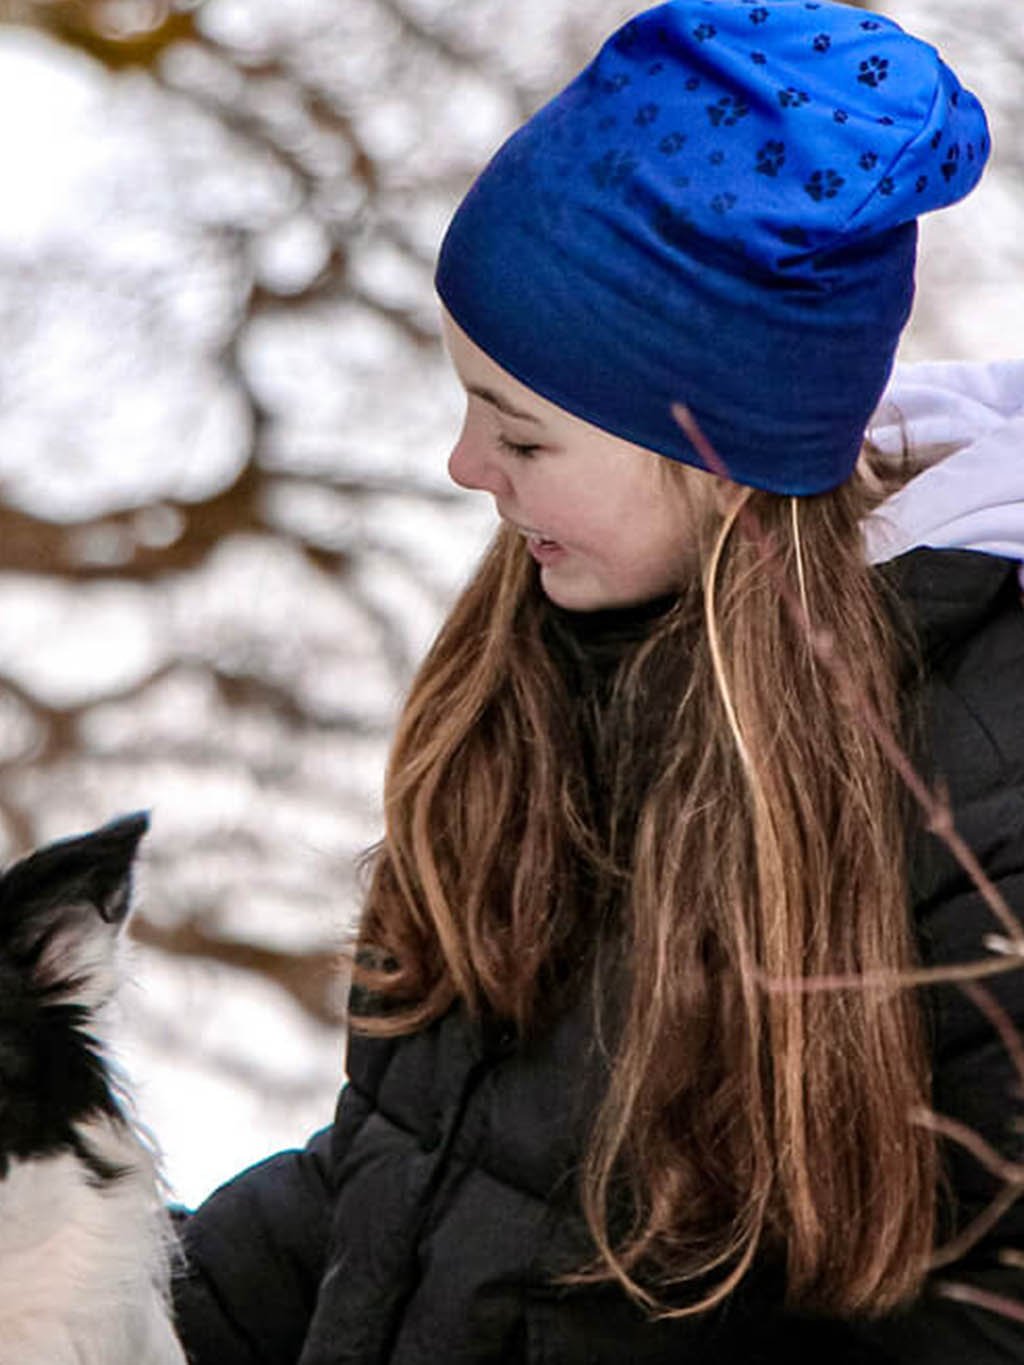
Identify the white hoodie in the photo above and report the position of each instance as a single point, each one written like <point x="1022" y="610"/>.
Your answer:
<point x="965" y="421"/>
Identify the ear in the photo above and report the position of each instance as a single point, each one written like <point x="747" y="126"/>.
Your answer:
<point x="92" y="869"/>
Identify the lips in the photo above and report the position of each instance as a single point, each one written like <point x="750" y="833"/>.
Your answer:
<point x="545" y="551"/>
<point x="535" y="539"/>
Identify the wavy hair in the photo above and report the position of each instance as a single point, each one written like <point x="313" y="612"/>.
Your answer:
<point x="720" y="813"/>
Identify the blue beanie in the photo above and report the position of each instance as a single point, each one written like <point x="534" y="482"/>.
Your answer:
<point x="720" y="211"/>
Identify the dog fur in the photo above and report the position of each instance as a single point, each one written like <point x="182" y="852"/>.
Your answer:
<point x="85" y="1244"/>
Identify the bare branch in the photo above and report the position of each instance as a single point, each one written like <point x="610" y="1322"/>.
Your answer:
<point x="890" y="980"/>
<point x="1001" y="1022"/>
<point x="938" y="815"/>
<point x="995" y="1303"/>
<point x="939" y="819"/>
<point x="81" y="25"/>
<point x="311" y="979"/>
<point x="1010" y="1172"/>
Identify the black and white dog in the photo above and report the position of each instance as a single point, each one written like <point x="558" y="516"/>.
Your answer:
<point x="84" y="1239"/>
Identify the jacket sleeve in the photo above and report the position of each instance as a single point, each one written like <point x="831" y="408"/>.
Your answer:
<point x="254" y="1253"/>
<point x="252" y="1260"/>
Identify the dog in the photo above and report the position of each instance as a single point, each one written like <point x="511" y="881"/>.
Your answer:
<point x="85" y="1241"/>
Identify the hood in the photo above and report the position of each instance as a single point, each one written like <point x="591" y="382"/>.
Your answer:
<point x="963" y="426"/>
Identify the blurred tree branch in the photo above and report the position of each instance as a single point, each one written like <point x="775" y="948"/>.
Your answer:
<point x="118" y="33"/>
<point x="314" y="980"/>
<point x="282" y="111"/>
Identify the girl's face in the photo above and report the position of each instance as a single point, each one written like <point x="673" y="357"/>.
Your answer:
<point x="607" y="521"/>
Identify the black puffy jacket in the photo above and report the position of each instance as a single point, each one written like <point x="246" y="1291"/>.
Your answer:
<point x="423" y="1226"/>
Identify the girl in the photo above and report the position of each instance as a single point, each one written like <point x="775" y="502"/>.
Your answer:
<point x="592" y="1113"/>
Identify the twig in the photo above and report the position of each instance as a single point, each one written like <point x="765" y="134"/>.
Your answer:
<point x="995" y="1303"/>
<point x="1012" y="1175"/>
<point x="977" y="1229"/>
<point x="959" y="974"/>
<point x="310" y="978"/>
<point x="939" y="816"/>
<point x="1010" y="1172"/>
<point x="939" y="820"/>
<point x="1001" y="1022"/>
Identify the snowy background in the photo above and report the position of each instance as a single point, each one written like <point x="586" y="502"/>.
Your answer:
<point x="226" y="534"/>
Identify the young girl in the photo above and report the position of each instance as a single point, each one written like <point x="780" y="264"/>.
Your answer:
<point x="592" y="1114"/>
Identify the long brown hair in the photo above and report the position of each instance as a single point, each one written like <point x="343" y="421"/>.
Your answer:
<point x="745" y="825"/>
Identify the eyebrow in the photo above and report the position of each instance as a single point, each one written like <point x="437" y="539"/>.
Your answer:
<point x="502" y="404"/>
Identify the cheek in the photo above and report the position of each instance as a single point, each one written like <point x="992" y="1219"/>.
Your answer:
<point x="654" y="539"/>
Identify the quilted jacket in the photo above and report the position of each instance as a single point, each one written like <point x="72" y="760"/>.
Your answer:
<point x="424" y="1226"/>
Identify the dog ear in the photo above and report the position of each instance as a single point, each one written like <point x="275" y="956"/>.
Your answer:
<point x="61" y="909"/>
<point x="93" y="869"/>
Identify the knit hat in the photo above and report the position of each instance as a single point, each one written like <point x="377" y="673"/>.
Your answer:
<point x="719" y="211"/>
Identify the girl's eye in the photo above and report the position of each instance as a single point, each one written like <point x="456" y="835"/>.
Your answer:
<point x="523" y="452"/>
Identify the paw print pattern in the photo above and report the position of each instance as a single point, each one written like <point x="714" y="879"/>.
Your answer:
<point x="722" y="203"/>
<point x="628" y="35"/>
<point x="759" y="15"/>
<point x="646" y="115"/>
<point x="656" y="68"/>
<point x="952" y="162"/>
<point x="922" y="184"/>
<point x="758" y="58"/>
<point x="824" y="185"/>
<point x="871" y="25"/>
<point x="672" y="144"/>
<point x="728" y="111"/>
<point x="840" y="116"/>
<point x="613" y="170"/>
<point x="716" y="157"/>
<point x="873" y="71"/>
<point x="887" y="186"/>
<point x="936" y="141"/>
<point x="704" y="32"/>
<point x="792" y="98"/>
<point x="869" y="161"/>
<point x="771" y="158"/>
<point x="614" y="84"/>
<point x="822" y="43"/>
<point x="693" y="83"/>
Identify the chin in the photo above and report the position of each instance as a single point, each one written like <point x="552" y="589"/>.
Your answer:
<point x="574" y="596"/>
<point x="587" y="594"/>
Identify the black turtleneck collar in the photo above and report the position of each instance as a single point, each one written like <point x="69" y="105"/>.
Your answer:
<point x="620" y="623"/>
<point x="595" y="641"/>
<point x="942" y="595"/>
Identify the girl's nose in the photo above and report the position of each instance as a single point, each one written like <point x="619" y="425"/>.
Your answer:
<point x="471" y="466"/>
